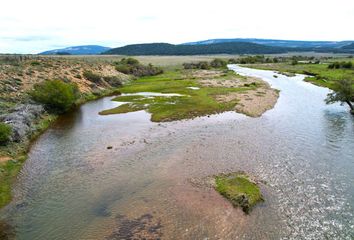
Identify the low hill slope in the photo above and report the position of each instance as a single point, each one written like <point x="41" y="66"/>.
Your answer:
<point x="218" y="48"/>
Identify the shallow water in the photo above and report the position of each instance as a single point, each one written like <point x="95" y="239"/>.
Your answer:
<point x="73" y="187"/>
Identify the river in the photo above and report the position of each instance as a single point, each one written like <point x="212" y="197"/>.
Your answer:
<point x="73" y="187"/>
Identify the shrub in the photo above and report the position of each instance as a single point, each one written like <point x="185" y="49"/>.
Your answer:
<point x="232" y="61"/>
<point x="35" y="63"/>
<point x="114" y="81"/>
<point x="218" y="63"/>
<point x="337" y="65"/>
<point x="5" y="133"/>
<point x="56" y="95"/>
<point x="134" y="67"/>
<point x="347" y="65"/>
<point x="294" y="62"/>
<point x="93" y="77"/>
<point x="124" y="69"/>
<point x="129" y="61"/>
<point x="198" y="65"/>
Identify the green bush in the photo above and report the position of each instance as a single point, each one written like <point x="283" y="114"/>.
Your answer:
<point x="35" y="63"/>
<point x="5" y="133"/>
<point x="199" y="65"/>
<point x="218" y="63"/>
<point x="93" y="77"/>
<point x="56" y="95"/>
<point x="134" y="67"/>
<point x="114" y="81"/>
<point x="130" y="61"/>
<point x="337" y="65"/>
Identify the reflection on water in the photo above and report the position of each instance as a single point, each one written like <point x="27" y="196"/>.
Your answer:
<point x="73" y="187"/>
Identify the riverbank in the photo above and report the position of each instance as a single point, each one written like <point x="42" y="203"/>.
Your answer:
<point x="28" y="119"/>
<point x="320" y="74"/>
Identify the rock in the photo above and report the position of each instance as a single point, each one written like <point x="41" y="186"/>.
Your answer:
<point x="21" y="120"/>
<point x="109" y="147"/>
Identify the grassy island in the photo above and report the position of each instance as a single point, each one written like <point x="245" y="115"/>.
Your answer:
<point x="239" y="190"/>
<point x="191" y="93"/>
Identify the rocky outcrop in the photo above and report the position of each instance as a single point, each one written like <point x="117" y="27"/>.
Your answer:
<point x="21" y="119"/>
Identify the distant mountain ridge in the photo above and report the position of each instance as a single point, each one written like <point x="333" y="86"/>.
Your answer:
<point x="216" y="48"/>
<point x="349" y="46"/>
<point x="77" y="50"/>
<point x="276" y="43"/>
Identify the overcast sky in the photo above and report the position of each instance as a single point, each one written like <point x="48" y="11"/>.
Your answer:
<point x="31" y="26"/>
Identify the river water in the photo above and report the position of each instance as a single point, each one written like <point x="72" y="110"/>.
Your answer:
<point x="146" y="186"/>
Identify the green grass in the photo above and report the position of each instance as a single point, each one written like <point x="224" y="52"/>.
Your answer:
<point x="320" y="74"/>
<point x="125" y="108"/>
<point x="239" y="190"/>
<point x="9" y="171"/>
<point x="193" y="103"/>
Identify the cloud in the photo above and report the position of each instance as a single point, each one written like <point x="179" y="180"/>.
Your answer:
<point x="27" y="38"/>
<point x="40" y="25"/>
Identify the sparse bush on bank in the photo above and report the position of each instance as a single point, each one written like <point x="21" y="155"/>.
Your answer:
<point x="5" y="133"/>
<point x="134" y="67"/>
<point x="93" y="77"/>
<point x="218" y="63"/>
<point x="199" y="65"/>
<point x="114" y="81"/>
<point x="56" y="95"/>
<point x="338" y="65"/>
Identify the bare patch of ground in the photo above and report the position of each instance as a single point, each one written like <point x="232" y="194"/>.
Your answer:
<point x="253" y="102"/>
<point x="204" y="73"/>
<point x="4" y="159"/>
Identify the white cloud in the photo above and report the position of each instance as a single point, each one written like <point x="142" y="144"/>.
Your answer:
<point x="33" y="26"/>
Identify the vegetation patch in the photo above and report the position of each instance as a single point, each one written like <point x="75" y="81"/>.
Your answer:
<point x="239" y="189"/>
<point x="125" y="108"/>
<point x="56" y="95"/>
<point x="134" y="67"/>
<point x="91" y="76"/>
<point x="5" y="133"/>
<point x="325" y="74"/>
<point x="190" y="104"/>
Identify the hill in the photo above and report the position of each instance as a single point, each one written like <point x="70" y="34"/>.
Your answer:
<point x="77" y="50"/>
<point x="216" y="48"/>
<point x="277" y="43"/>
<point x="349" y="46"/>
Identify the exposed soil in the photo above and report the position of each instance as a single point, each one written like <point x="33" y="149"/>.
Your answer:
<point x="4" y="159"/>
<point x="253" y="102"/>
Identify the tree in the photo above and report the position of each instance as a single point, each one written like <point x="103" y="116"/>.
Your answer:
<point x="343" y="92"/>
